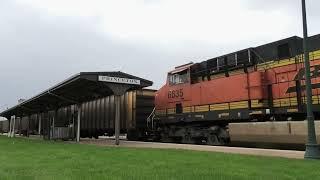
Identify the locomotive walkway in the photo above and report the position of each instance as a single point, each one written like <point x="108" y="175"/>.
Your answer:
<point x="233" y="150"/>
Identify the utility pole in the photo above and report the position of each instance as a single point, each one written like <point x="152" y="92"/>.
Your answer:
<point x="312" y="148"/>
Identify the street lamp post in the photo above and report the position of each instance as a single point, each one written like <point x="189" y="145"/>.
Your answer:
<point x="312" y="148"/>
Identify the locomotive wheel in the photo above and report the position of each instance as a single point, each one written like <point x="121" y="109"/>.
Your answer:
<point x="187" y="140"/>
<point x="213" y="140"/>
<point x="217" y="137"/>
<point x="166" y="139"/>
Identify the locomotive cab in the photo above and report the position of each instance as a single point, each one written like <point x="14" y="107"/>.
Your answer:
<point x="176" y="92"/>
<point x="181" y="75"/>
<point x="177" y="82"/>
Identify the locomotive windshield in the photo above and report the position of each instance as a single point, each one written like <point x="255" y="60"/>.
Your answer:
<point x="179" y="77"/>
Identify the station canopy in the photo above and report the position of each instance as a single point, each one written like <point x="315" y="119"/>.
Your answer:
<point x="82" y="87"/>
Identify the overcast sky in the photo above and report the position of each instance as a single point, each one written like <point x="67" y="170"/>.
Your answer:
<point x="43" y="42"/>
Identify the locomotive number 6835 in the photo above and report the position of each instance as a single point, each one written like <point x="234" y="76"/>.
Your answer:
<point x="175" y="93"/>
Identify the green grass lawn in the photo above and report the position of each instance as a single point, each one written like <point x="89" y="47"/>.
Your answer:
<point x="37" y="159"/>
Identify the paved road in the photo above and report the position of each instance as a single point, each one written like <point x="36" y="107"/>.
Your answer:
<point x="234" y="150"/>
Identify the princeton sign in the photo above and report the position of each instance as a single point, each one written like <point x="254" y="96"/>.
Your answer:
<point x="119" y="80"/>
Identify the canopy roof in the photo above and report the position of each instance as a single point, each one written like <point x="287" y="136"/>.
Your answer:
<point x="79" y="88"/>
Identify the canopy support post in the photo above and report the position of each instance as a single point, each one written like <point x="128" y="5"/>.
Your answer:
<point x="13" y="134"/>
<point x="78" y="122"/>
<point x="48" y="125"/>
<point x="20" y="125"/>
<point x="117" y="120"/>
<point x="28" y="128"/>
<point x="54" y="119"/>
<point x="9" y="132"/>
<point x="39" y="129"/>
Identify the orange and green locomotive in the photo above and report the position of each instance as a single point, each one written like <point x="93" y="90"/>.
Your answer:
<point x="202" y="102"/>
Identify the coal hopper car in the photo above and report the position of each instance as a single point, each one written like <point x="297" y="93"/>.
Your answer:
<point x="97" y="116"/>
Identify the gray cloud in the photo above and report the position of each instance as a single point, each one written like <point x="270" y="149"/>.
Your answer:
<point x="37" y="53"/>
<point x="292" y="8"/>
<point x="38" y="50"/>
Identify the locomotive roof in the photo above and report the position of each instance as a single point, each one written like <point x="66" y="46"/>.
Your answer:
<point x="181" y="68"/>
<point x="268" y="50"/>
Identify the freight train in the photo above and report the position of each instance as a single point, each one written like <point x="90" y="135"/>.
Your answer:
<point x="254" y="94"/>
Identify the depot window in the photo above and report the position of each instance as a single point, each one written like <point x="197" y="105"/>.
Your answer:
<point x="178" y="78"/>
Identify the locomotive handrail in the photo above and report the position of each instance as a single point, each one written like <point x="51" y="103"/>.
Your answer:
<point x="216" y="68"/>
<point x="219" y="68"/>
<point x="150" y="118"/>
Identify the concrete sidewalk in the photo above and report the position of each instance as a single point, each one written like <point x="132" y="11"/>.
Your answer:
<point x="233" y="150"/>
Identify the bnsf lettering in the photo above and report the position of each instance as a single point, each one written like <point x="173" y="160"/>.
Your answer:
<point x="175" y="93"/>
<point x="314" y="73"/>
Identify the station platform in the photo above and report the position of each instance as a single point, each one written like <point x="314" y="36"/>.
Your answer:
<point x="233" y="150"/>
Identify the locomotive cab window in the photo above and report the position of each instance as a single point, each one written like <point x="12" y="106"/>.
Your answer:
<point x="179" y="77"/>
